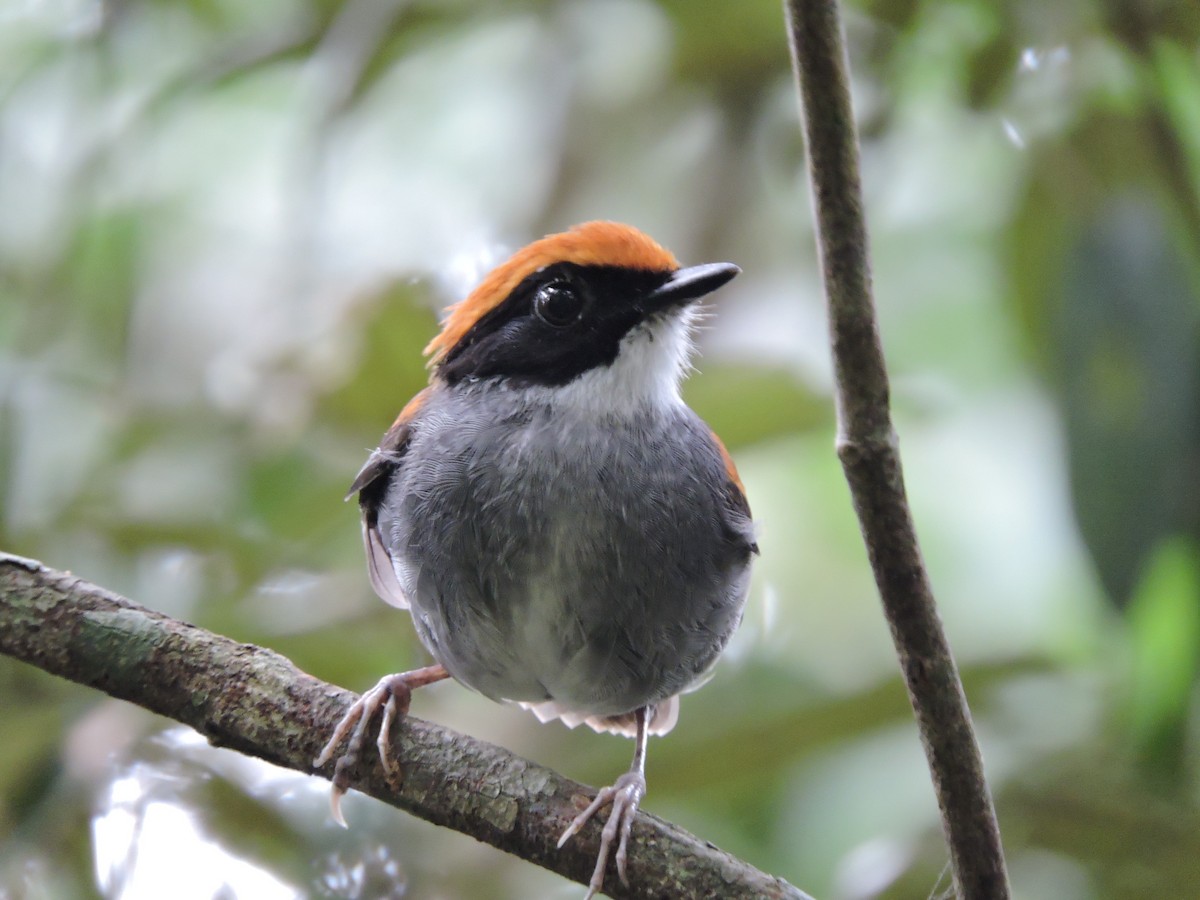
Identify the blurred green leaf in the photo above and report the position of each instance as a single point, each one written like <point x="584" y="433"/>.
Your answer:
<point x="990" y="70"/>
<point x="732" y="47"/>
<point x="746" y="403"/>
<point x="1164" y="624"/>
<point x="1128" y="369"/>
<point x="1111" y="312"/>
<point x="271" y="496"/>
<point x="394" y="326"/>
<point x="1130" y="844"/>
<point x="29" y="760"/>
<point x="1179" y="78"/>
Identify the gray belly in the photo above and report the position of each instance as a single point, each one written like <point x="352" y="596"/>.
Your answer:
<point x="550" y="559"/>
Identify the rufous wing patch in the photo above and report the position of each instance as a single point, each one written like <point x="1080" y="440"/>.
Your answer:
<point x="730" y="468"/>
<point x="735" y="495"/>
<point x="589" y="244"/>
<point x="411" y="408"/>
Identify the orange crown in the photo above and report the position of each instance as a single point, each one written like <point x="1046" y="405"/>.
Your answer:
<point x="589" y="244"/>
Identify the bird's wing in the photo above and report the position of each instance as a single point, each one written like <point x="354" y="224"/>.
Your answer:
<point x="370" y="486"/>
<point x="740" y="522"/>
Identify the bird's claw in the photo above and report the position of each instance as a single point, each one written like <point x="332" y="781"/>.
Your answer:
<point x="393" y="693"/>
<point x="624" y="797"/>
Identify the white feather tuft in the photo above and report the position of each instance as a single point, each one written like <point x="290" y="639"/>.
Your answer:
<point x="652" y="361"/>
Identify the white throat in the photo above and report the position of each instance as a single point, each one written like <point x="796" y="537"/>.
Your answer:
<point x="650" y="364"/>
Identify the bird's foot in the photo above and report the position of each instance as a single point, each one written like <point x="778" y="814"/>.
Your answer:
<point x="393" y="693"/>
<point x="624" y="796"/>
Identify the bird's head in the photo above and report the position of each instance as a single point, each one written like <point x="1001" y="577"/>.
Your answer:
<point x="600" y="312"/>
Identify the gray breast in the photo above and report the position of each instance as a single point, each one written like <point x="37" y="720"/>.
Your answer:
<point x="550" y="555"/>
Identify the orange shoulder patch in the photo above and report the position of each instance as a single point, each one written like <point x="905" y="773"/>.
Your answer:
<point x="730" y="468"/>
<point x="411" y="408"/>
<point x="589" y="244"/>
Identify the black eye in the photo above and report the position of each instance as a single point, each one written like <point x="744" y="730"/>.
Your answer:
<point x="558" y="303"/>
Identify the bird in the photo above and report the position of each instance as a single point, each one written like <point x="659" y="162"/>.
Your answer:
<point x="567" y="534"/>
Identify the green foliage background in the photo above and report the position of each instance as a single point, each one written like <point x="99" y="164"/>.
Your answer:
<point x="225" y="234"/>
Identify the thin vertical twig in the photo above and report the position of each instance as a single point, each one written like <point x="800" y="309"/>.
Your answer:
<point x="868" y="449"/>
